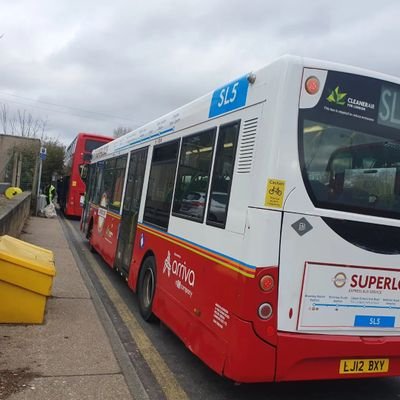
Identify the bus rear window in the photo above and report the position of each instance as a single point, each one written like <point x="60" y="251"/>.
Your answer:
<point x="351" y="170"/>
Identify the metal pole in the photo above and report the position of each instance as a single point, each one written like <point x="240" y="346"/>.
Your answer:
<point x="38" y="187"/>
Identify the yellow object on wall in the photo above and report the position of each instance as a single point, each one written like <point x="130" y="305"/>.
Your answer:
<point x="12" y="191"/>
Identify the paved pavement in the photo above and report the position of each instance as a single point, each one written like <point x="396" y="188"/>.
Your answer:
<point x="70" y="355"/>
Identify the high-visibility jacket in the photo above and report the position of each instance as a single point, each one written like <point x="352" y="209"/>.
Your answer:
<point x="51" y="193"/>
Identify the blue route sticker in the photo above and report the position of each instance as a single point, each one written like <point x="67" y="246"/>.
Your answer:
<point x="374" y="321"/>
<point x="229" y="97"/>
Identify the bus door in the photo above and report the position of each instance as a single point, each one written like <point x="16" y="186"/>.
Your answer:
<point x="90" y="186"/>
<point x="130" y="210"/>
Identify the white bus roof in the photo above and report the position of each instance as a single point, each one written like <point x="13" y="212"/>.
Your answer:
<point x="197" y="111"/>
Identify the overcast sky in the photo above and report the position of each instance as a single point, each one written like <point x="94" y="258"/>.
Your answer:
<point x="91" y="66"/>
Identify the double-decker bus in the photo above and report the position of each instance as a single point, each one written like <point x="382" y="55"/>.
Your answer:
<point x="261" y="222"/>
<point x="71" y="188"/>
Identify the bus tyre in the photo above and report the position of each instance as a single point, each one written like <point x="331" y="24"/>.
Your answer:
<point x="147" y="289"/>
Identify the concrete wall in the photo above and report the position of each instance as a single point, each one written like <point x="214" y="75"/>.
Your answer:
<point x="14" y="213"/>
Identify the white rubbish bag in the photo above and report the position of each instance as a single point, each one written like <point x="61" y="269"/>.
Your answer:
<point x="50" y="211"/>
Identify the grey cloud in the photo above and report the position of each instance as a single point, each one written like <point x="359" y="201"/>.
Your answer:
<point x="139" y="60"/>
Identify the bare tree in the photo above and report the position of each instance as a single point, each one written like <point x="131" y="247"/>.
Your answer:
<point x="22" y="123"/>
<point x="3" y="117"/>
<point x="121" y="131"/>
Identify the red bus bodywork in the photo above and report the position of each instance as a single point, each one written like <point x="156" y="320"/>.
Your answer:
<point x="71" y="187"/>
<point x="227" y="341"/>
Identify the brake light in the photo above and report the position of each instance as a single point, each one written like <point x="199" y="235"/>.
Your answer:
<point x="197" y="204"/>
<point x="267" y="283"/>
<point x="312" y="85"/>
<point x="265" y="311"/>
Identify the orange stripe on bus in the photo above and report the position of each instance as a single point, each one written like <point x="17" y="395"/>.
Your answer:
<point x="243" y="270"/>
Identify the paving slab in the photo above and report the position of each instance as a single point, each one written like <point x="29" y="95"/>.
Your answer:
<point x="71" y="342"/>
<point x="68" y="282"/>
<point x="105" y="387"/>
<point x="69" y="356"/>
<point x="47" y="233"/>
<point x="44" y="232"/>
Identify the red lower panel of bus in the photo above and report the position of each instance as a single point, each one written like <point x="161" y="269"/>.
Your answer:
<point x="246" y="358"/>
<point x="213" y="309"/>
<point x="73" y="211"/>
<point x="249" y="359"/>
<point x="197" y="337"/>
<point x="104" y="233"/>
<point x="312" y="357"/>
<point x="73" y="206"/>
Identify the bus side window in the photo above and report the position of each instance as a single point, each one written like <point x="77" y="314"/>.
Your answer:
<point x="193" y="175"/>
<point x="161" y="184"/>
<point x="99" y="182"/>
<point x="222" y="175"/>
<point x="118" y="183"/>
<point x="108" y="179"/>
<point x="91" y="182"/>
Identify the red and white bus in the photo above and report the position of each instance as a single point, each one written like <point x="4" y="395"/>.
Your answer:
<point x="261" y="222"/>
<point x="71" y="188"/>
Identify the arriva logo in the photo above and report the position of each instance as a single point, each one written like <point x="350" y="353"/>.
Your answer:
<point x="179" y="269"/>
<point x="167" y="265"/>
<point x="336" y="97"/>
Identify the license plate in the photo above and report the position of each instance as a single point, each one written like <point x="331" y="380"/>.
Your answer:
<point x="364" y="366"/>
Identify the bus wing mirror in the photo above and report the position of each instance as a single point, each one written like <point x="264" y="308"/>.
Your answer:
<point x="87" y="157"/>
<point x="83" y="170"/>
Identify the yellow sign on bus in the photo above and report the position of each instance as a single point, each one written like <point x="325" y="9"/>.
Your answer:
<point x="275" y="193"/>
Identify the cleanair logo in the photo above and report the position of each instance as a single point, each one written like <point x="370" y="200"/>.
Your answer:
<point x="341" y="99"/>
<point x="336" y="97"/>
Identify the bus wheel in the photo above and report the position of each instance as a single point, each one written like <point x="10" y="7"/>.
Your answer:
<point x="147" y="289"/>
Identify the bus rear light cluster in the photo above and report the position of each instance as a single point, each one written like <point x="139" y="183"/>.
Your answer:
<point x="267" y="283"/>
<point x="265" y="311"/>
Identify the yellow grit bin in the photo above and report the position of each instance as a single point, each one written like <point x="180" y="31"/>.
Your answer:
<point x="26" y="279"/>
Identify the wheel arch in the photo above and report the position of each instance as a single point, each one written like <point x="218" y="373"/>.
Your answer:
<point x="133" y="283"/>
<point x="146" y="286"/>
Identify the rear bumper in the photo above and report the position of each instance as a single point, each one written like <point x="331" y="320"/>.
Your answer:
<point x="314" y="357"/>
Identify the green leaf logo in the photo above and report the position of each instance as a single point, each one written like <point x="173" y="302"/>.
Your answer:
<point x="336" y="97"/>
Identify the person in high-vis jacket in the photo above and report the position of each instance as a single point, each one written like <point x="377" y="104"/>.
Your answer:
<point x="50" y="193"/>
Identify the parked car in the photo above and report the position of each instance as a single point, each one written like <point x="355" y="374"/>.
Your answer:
<point x="193" y="205"/>
<point x="217" y="211"/>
